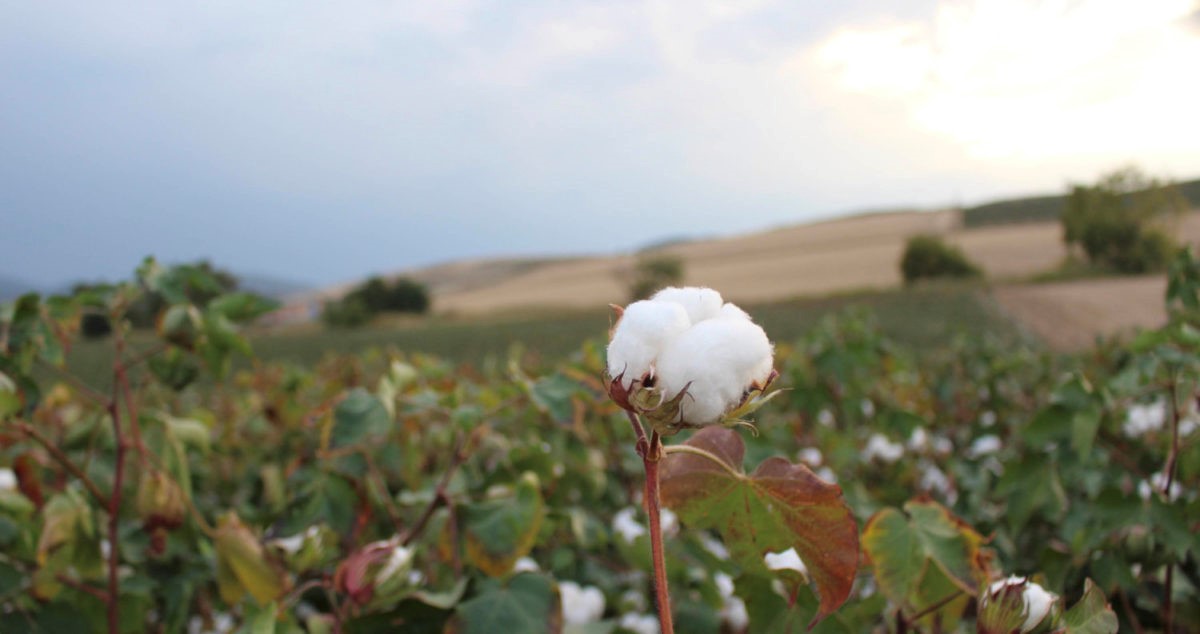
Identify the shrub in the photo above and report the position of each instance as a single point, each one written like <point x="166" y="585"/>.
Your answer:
<point x="1117" y="221"/>
<point x="373" y="297"/>
<point x="351" y="312"/>
<point x="653" y="272"/>
<point x="928" y="257"/>
<point x="94" y="326"/>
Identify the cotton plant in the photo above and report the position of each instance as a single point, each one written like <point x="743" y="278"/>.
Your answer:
<point x="685" y="359"/>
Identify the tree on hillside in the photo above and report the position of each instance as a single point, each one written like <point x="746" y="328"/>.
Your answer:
<point x="928" y="257"/>
<point x="652" y="272"/>
<point x="376" y="296"/>
<point x="1120" y="222"/>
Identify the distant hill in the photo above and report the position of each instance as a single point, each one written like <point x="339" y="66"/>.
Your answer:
<point x="272" y="287"/>
<point x="1044" y="208"/>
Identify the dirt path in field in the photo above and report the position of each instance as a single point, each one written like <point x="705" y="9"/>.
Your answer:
<point x="1070" y="315"/>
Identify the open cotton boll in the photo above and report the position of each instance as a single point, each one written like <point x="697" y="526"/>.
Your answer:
<point x="720" y="359"/>
<point x="8" y="480"/>
<point x="786" y="560"/>
<point x="642" y="332"/>
<point x="700" y="303"/>
<point x="580" y="605"/>
<point x="731" y="311"/>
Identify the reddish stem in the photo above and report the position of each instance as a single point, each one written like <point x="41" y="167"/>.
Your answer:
<point x="114" y="501"/>
<point x="650" y="459"/>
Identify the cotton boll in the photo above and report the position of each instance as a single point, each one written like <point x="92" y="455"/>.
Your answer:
<point x="984" y="446"/>
<point x="580" y="605"/>
<point x="1142" y="419"/>
<point x="626" y="526"/>
<point x="700" y="303"/>
<point x="733" y="609"/>
<point x="731" y="311"/>
<point x="669" y="521"/>
<point x="878" y="446"/>
<point x="639" y="623"/>
<point x="714" y="547"/>
<point x="643" y="330"/>
<point x="8" y="480"/>
<point x="786" y="560"/>
<point x="525" y="564"/>
<point x="720" y="359"/>
<point x="1037" y="601"/>
<point x="811" y="456"/>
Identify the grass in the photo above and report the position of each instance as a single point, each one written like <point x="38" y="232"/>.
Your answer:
<point x="923" y="317"/>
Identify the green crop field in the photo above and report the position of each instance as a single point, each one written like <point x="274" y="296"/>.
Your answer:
<point x="922" y="317"/>
<point x="913" y="464"/>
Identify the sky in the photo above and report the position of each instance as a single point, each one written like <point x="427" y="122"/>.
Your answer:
<point x="324" y="141"/>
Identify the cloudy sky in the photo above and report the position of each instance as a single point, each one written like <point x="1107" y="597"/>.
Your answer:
<point x="321" y="141"/>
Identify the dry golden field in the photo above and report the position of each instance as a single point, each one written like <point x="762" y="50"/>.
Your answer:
<point x="834" y="256"/>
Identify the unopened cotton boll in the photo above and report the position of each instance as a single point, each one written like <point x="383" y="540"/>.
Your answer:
<point x="700" y="303"/>
<point x="1035" y="602"/>
<point x="716" y="361"/>
<point x="642" y="332"/>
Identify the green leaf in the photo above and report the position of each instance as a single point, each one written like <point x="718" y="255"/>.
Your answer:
<point x="69" y="535"/>
<point x="905" y="549"/>
<point x="10" y="579"/>
<point x="554" y="395"/>
<point x="528" y="603"/>
<point x="221" y="340"/>
<point x="769" y="612"/>
<point x="174" y="368"/>
<point x="358" y="417"/>
<point x="259" y="619"/>
<point x="779" y="506"/>
<point x="1084" y="426"/>
<point x="1091" y="615"/>
<point x="192" y="433"/>
<point x="500" y="531"/>
<point x="241" y="307"/>
<point x="410" y="616"/>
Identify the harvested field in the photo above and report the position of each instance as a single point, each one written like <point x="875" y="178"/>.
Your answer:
<point x="847" y="254"/>
<point x="1069" y="316"/>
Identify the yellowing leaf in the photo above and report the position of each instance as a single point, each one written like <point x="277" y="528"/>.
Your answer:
<point x="501" y="531"/>
<point x="923" y="555"/>
<point x="242" y="566"/>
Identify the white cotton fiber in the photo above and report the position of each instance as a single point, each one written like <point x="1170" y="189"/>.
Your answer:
<point x="580" y="604"/>
<point x="732" y="311"/>
<point x="786" y="560"/>
<point x="700" y="303"/>
<point x="720" y="359"/>
<point x="644" y="329"/>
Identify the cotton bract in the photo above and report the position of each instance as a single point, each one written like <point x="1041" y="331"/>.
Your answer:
<point x="684" y="358"/>
<point x="1016" y="604"/>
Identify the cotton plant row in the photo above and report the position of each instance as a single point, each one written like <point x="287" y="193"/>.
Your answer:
<point x="415" y="463"/>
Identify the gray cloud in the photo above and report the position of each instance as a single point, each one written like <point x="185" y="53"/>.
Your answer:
<point x="322" y="141"/>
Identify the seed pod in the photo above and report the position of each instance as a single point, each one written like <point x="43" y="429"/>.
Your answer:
<point x="160" y="502"/>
